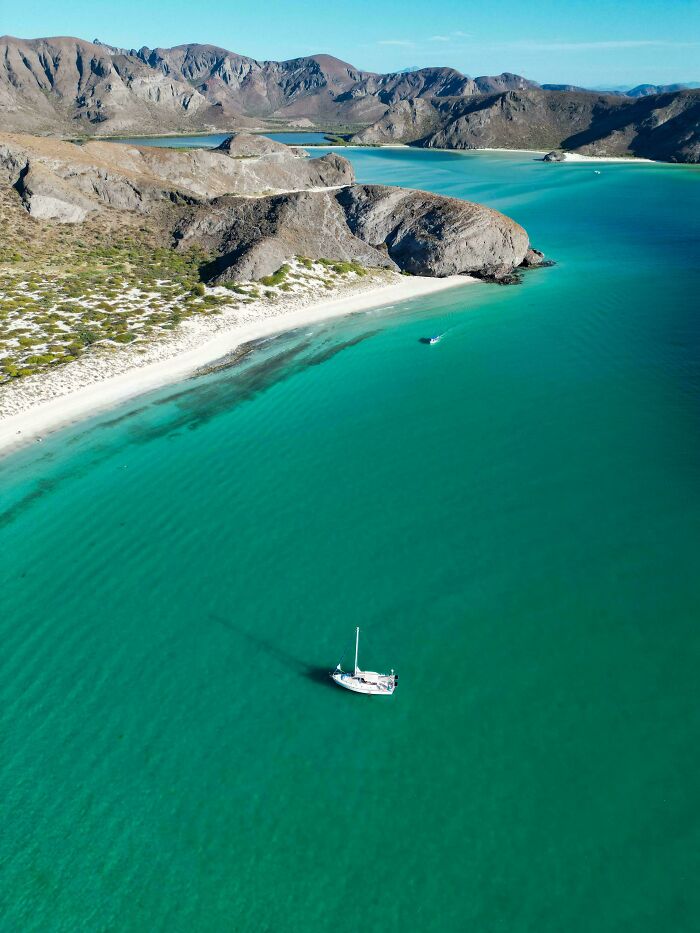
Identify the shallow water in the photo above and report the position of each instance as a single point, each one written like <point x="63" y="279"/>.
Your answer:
<point x="211" y="140"/>
<point x="512" y="517"/>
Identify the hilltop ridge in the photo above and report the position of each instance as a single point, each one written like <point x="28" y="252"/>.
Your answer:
<point x="68" y="87"/>
<point x="664" y="127"/>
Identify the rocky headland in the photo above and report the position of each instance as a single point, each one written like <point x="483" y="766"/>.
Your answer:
<point x="253" y="204"/>
<point x="375" y="225"/>
<point x="117" y="259"/>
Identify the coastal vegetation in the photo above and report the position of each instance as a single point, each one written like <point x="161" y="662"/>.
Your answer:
<point x="69" y="290"/>
<point x="104" y="247"/>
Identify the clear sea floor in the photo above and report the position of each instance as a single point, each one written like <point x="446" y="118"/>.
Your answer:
<point x="511" y="516"/>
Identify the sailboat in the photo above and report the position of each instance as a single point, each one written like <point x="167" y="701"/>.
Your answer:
<point x="364" y="681"/>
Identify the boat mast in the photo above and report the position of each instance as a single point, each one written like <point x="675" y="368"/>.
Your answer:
<point x="357" y="645"/>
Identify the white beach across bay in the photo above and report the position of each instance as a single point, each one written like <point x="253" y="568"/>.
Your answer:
<point x="39" y="404"/>
<point x="539" y="153"/>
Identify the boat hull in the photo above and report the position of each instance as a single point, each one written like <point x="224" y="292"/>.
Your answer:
<point x="384" y="684"/>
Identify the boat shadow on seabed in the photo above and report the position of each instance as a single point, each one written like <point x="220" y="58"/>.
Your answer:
<point x="317" y="674"/>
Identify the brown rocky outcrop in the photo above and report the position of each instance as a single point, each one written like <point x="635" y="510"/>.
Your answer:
<point x="376" y="225"/>
<point x="64" y="181"/>
<point x="255" y="212"/>
<point x="429" y="234"/>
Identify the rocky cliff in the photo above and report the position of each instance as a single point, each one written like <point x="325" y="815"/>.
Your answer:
<point x="254" y="205"/>
<point x="428" y="234"/>
<point x="63" y="181"/>
<point x="376" y="225"/>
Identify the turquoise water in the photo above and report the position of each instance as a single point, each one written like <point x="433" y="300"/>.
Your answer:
<point x="211" y="140"/>
<point x="512" y="516"/>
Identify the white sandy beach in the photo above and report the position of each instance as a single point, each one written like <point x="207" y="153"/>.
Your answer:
<point x="577" y="157"/>
<point x="39" y="404"/>
<point x="568" y="156"/>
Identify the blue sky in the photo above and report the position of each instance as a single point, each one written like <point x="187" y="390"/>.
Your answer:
<point x="589" y="42"/>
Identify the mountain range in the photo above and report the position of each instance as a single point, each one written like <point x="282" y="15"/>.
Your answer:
<point x="68" y="86"/>
<point x="665" y="127"/>
<point x="641" y="90"/>
<point x="65" y="84"/>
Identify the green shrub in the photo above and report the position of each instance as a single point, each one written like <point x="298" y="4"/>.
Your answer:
<point x="343" y="268"/>
<point x="86" y="337"/>
<point x="276" y="278"/>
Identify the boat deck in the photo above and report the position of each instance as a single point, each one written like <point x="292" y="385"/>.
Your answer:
<point x="366" y="682"/>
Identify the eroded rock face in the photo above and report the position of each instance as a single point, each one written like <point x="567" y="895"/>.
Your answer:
<point x="59" y="84"/>
<point x="325" y="217"/>
<point x="376" y="225"/>
<point x="66" y="85"/>
<point x="428" y="234"/>
<point x="207" y="173"/>
<point x="407" y="120"/>
<point x="47" y="197"/>
<point x="254" y="237"/>
<point x="52" y="175"/>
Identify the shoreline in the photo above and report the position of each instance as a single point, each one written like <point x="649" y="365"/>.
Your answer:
<point x="631" y="160"/>
<point x="568" y="156"/>
<point x="189" y="352"/>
